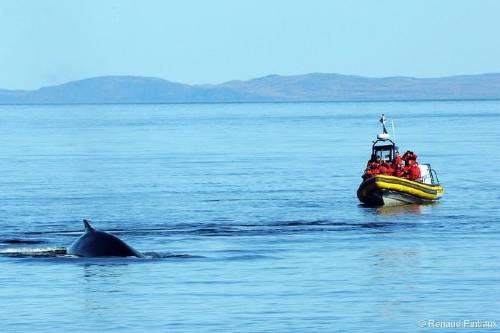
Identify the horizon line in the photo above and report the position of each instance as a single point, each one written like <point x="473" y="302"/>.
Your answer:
<point x="267" y="102"/>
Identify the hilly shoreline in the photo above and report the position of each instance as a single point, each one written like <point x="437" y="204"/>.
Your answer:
<point x="316" y="87"/>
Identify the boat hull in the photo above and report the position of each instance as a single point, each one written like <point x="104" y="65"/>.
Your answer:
<point x="382" y="190"/>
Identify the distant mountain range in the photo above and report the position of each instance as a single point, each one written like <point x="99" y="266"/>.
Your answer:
<point x="314" y="87"/>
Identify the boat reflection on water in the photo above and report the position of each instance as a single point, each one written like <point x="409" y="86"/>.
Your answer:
<point x="402" y="209"/>
<point x="415" y="209"/>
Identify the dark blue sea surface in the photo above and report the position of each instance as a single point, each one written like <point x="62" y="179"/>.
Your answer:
<point x="248" y="216"/>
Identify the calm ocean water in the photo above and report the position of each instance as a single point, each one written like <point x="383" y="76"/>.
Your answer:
<point x="248" y="214"/>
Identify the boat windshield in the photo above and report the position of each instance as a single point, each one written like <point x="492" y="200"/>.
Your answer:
<point x="384" y="150"/>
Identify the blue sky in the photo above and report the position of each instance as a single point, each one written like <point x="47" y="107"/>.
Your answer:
<point x="50" y="42"/>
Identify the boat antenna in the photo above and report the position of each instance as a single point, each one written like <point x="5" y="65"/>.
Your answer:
<point x="384" y="135"/>
<point x="383" y="120"/>
<point x="393" y="130"/>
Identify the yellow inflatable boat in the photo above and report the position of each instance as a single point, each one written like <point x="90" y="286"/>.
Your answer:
<point x="386" y="189"/>
<point x="380" y="190"/>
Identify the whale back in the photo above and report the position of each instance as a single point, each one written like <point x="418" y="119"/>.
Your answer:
<point x="96" y="243"/>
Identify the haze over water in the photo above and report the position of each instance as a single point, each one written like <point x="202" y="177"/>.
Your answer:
<point x="248" y="214"/>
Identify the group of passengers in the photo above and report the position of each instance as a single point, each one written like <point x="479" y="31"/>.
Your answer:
<point x="405" y="166"/>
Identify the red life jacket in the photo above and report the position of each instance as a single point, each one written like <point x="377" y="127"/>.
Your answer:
<point x="414" y="172"/>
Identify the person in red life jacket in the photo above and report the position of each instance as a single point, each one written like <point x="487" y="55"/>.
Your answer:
<point x="372" y="159"/>
<point x="389" y="170"/>
<point x="397" y="160"/>
<point x="406" y="156"/>
<point x="371" y="171"/>
<point x="372" y="168"/>
<point x="398" y="171"/>
<point x="383" y="168"/>
<point x="414" y="172"/>
<point x="375" y="168"/>
<point x="406" y="169"/>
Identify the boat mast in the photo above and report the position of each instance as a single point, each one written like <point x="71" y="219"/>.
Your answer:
<point x="384" y="135"/>
<point x="383" y="120"/>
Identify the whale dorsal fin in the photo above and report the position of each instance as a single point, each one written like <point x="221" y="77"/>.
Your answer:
<point x="87" y="225"/>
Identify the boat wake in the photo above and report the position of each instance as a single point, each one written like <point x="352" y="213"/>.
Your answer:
<point x="226" y="229"/>
<point x="44" y="252"/>
<point x="18" y="247"/>
<point x="60" y="252"/>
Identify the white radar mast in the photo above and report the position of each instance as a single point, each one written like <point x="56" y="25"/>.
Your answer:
<point x="384" y="135"/>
